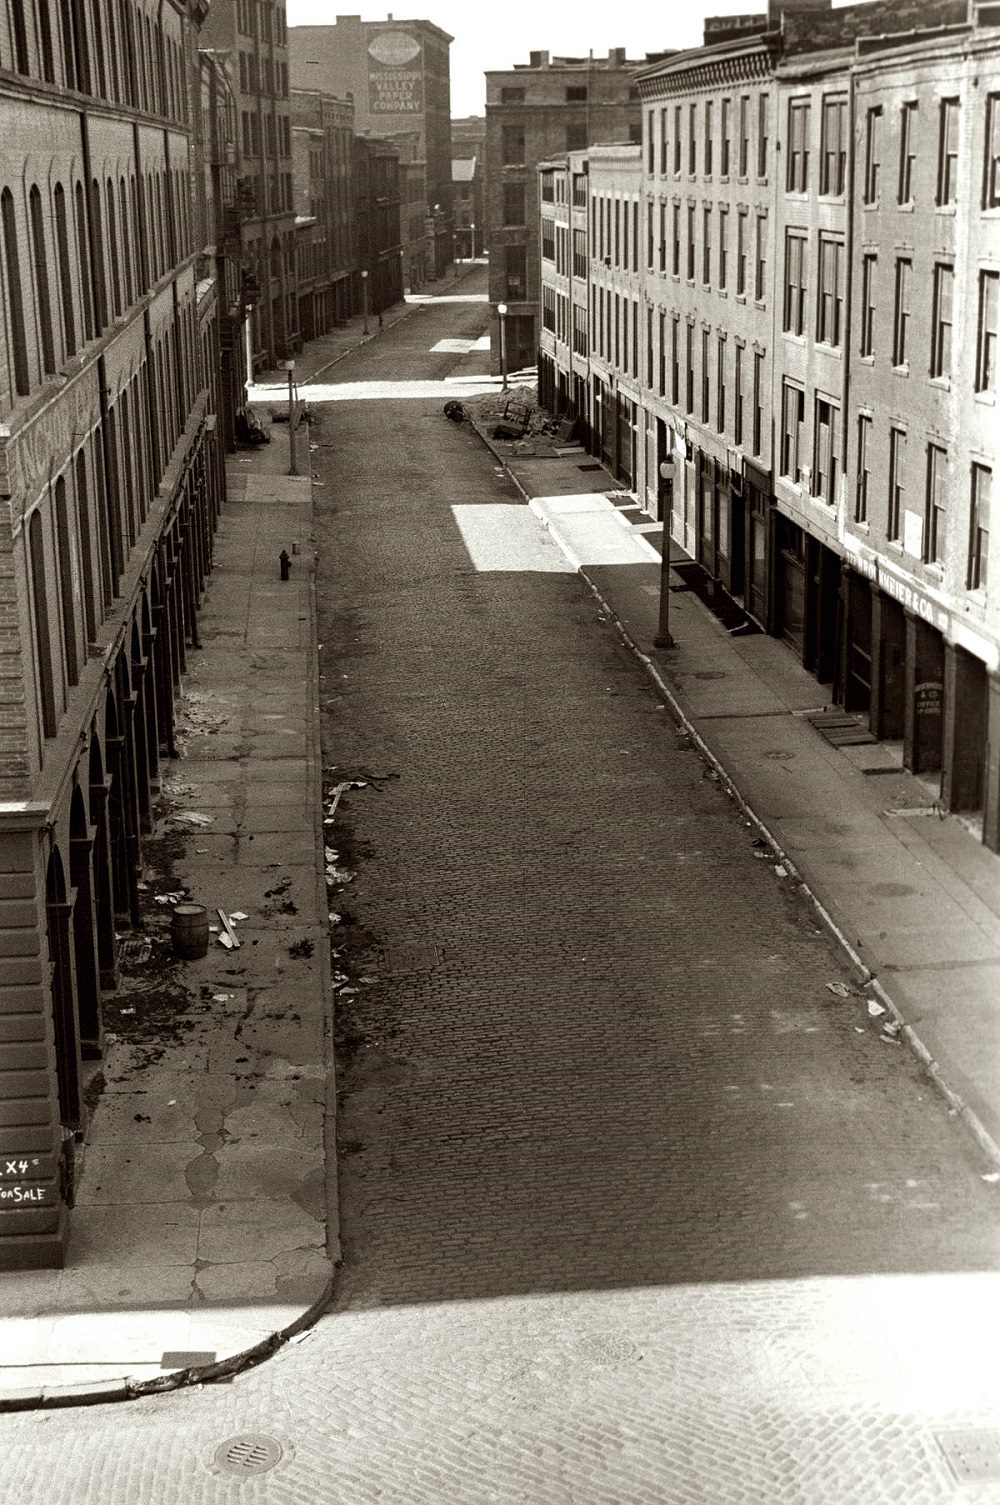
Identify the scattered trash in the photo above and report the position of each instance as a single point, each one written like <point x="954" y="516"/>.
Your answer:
<point x="227" y="941"/>
<point x="222" y="997"/>
<point x="840" y="988"/>
<point x="194" y="818"/>
<point x="890" y="1032"/>
<point x="991" y="1176"/>
<point x="301" y="1337"/>
<point x="334" y="917"/>
<point x="126" y="1011"/>
<point x="859" y="1029"/>
<point x="239" y="915"/>
<point x="875" y="1009"/>
<point x="227" y="936"/>
<point x="781" y="870"/>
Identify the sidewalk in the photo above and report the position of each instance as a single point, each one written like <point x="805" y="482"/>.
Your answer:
<point x="911" y="893"/>
<point x="200" y="1225"/>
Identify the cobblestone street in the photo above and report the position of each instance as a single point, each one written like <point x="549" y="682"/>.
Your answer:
<point x="634" y="1207"/>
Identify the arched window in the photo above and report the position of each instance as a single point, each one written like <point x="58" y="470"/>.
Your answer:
<point x="89" y="590"/>
<point x="138" y="240"/>
<point x="43" y="645"/>
<point x="20" y="40"/>
<point x="151" y="240"/>
<point x="66" y="592"/>
<point x="114" y="250"/>
<point x="126" y="242"/>
<point x="65" y="272"/>
<point x="43" y="303"/>
<point x="113" y="61"/>
<point x="102" y="84"/>
<point x="100" y="282"/>
<point x="83" y="257"/>
<point x="15" y="307"/>
<point x="45" y="40"/>
<point x="68" y="44"/>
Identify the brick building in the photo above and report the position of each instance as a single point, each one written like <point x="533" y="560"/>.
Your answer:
<point x="378" y="209"/>
<point x="254" y="35"/>
<point x="536" y="112"/>
<point x="468" y="148"/>
<point x="398" y="75"/>
<point x="323" y="178"/>
<point x="110" y="481"/>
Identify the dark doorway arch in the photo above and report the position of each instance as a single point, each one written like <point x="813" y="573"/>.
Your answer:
<point x="103" y="889"/>
<point x="81" y="877"/>
<point x="62" y="981"/>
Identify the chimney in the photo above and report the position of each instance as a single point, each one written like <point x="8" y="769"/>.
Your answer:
<point x="616" y="56"/>
<point x="538" y="60"/>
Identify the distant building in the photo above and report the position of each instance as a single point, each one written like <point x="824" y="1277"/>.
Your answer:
<point x="323" y="173"/>
<point x="378" y="208"/>
<point x="398" y="75"/>
<point x="535" y="112"/>
<point x="256" y="37"/>
<point x="467" y="199"/>
<point x="417" y="226"/>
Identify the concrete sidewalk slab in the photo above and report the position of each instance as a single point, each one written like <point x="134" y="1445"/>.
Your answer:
<point x="912" y="893"/>
<point x="200" y="1229"/>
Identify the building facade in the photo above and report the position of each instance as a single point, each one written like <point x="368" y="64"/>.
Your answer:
<point x="378" y="210"/>
<point x="819" y="236"/>
<point x="254" y="35"/>
<point x="110" y="482"/>
<point x="398" y="75"/>
<point x="468" y="148"/>
<point x="537" y="112"/>
<point x="323" y="177"/>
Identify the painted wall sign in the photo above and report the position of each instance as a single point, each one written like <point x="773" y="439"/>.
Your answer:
<point x="927" y="697"/>
<point x="395" y="74"/>
<point x="20" y="1185"/>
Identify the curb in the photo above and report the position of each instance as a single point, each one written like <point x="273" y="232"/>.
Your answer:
<point x="970" y="1120"/>
<point x="54" y="1397"/>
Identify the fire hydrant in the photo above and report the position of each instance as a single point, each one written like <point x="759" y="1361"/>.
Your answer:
<point x="285" y="564"/>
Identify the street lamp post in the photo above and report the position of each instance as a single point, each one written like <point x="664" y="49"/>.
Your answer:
<point x="293" y="468"/>
<point x="663" y="636"/>
<point x="364" y="294"/>
<point x="502" y="311"/>
<point x="472" y="236"/>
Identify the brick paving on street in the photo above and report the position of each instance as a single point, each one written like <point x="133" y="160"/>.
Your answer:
<point x="634" y="1208"/>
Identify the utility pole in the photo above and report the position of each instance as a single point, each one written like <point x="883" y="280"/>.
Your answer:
<point x="293" y="468"/>
<point x="663" y="638"/>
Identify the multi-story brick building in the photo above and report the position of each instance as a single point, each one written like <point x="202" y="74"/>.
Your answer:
<point x="109" y="489"/>
<point x="323" y="176"/>
<point x="468" y="147"/>
<point x="254" y="34"/>
<point x="536" y="112"/>
<point x="398" y="75"/>
<point x="819" y="187"/>
<point x="378" y="209"/>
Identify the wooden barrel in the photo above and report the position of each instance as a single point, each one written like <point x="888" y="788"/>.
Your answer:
<point x="189" y="928"/>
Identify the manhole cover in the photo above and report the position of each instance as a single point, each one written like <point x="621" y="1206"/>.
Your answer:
<point x="973" y="1454"/>
<point x="250" y="1453"/>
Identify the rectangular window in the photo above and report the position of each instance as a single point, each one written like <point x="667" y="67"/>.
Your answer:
<point x="692" y="138"/>
<point x="549" y="308"/>
<point x="833" y="150"/>
<point x="723" y="246"/>
<point x="512" y="145"/>
<point x="678" y="145"/>
<point x="516" y="270"/>
<point x="793" y="321"/>
<point x="760" y="273"/>
<point x="675" y="359"/>
<point x="706" y="246"/>
<point x="948" y="152"/>
<point x="738" y="352"/>
<point x="705" y="381"/>
<point x="797" y="177"/>
<point x="676" y="258"/>
<point x="724" y="138"/>
<point x="580" y="254"/>
<point x="873" y="153"/>
<point x="986" y="332"/>
<point x="979" y="529"/>
<point x="897" y="481"/>
<point x="762" y="141"/>
<point x="513" y="203"/>
<point x="720" y="385"/>
<point x="830" y="303"/>
<point x="825" y="471"/>
<point x="744" y="135"/>
<point x="944" y="298"/>
<point x="991" y="167"/>
<point x="651" y="143"/>
<point x="741" y="251"/>
<point x="901" y="315"/>
<point x="864" y="472"/>
<point x="690" y="243"/>
<point x="650" y="235"/>
<point x="690" y="368"/>
<point x="934" y="519"/>
<point x="576" y="93"/>
<point x="708" y="138"/>
<point x="869" y="271"/>
<point x="548" y="188"/>
<point x="649" y="346"/>
<point x="509" y="96"/>
<point x="792" y="414"/>
<point x="664" y="144"/>
<point x="662" y="385"/>
<point x="907" y="150"/>
<point x="548" y="240"/>
<point x="662" y="259"/>
<point x="758" y="402"/>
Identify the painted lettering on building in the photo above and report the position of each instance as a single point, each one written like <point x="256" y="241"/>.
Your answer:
<point x="395" y="74"/>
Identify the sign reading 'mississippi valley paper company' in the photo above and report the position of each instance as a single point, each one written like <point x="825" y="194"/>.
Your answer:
<point x="395" y="74"/>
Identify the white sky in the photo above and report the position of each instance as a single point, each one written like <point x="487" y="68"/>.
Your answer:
<point x="499" y="34"/>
